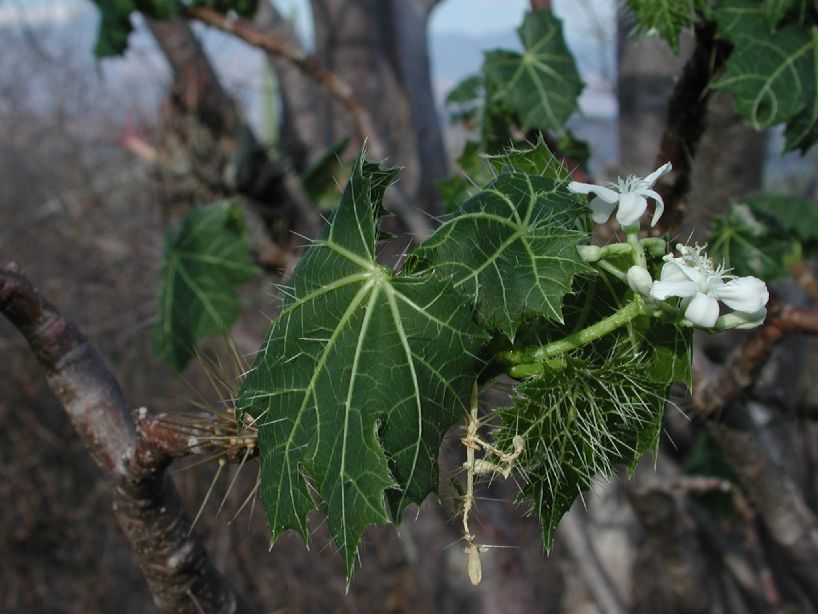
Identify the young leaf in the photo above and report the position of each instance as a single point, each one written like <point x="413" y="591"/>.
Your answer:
<point x="358" y="379"/>
<point x="541" y="85"/>
<point x="474" y="171"/>
<point x="748" y="246"/>
<point x="666" y="17"/>
<point x="796" y="215"/>
<point x="512" y="249"/>
<point x="203" y="264"/>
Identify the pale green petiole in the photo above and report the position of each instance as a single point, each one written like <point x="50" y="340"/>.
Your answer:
<point x="525" y="357"/>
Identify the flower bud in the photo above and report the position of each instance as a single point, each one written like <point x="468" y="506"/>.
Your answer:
<point x="741" y="319"/>
<point x="640" y="280"/>
<point x="590" y="253"/>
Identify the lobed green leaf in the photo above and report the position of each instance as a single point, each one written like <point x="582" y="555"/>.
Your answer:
<point x="771" y="74"/>
<point x="512" y="249"/>
<point x="541" y="85"/>
<point x="203" y="264"/>
<point x="666" y="17"/>
<point x="358" y="379"/>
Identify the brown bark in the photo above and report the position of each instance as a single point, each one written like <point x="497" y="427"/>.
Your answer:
<point x="739" y="372"/>
<point x="792" y="524"/>
<point x="686" y="122"/>
<point x="147" y="507"/>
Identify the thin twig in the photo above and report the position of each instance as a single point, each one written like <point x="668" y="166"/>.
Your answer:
<point x="308" y="63"/>
<point x="335" y="85"/>
<point x="738" y="373"/>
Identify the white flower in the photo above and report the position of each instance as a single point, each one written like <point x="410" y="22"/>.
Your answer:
<point x="692" y="277"/>
<point x="630" y="194"/>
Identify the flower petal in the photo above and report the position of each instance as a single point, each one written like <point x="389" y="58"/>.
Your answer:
<point x="703" y="310"/>
<point x="601" y="210"/>
<point x="657" y="174"/>
<point x="606" y="194"/>
<point x="631" y="208"/>
<point x="676" y="270"/>
<point x="664" y="289"/>
<point x="741" y="320"/>
<point x="747" y="294"/>
<point x="660" y="204"/>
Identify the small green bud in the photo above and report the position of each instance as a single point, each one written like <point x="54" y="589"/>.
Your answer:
<point x="590" y="253"/>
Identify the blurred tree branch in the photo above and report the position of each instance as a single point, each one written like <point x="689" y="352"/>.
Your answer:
<point x="686" y="123"/>
<point x="743" y="364"/>
<point x="289" y="50"/>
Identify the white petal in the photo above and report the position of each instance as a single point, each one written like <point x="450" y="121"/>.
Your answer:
<point x="606" y="194"/>
<point x="676" y="270"/>
<point x="639" y="280"/>
<point x="657" y="174"/>
<point x="741" y="320"/>
<point x="703" y="310"/>
<point x="663" y="289"/>
<point x="601" y="210"/>
<point x="631" y="208"/>
<point x="660" y="204"/>
<point x="747" y="294"/>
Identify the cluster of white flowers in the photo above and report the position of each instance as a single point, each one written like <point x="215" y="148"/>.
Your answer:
<point x="692" y="277"/>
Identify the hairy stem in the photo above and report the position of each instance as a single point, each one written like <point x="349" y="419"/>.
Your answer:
<point x="575" y="340"/>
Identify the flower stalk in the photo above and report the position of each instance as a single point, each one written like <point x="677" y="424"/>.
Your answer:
<point x="539" y="354"/>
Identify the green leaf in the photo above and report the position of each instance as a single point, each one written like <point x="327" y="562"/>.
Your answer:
<point x="802" y="130"/>
<point x="321" y="180"/>
<point x="474" y="171"/>
<point x="114" y="27"/>
<point x="465" y="99"/>
<point x="602" y="409"/>
<point x="512" y="249"/>
<point x="358" y="379"/>
<point x="541" y="85"/>
<point x="532" y="160"/>
<point x="748" y="246"/>
<point x="796" y="215"/>
<point x="779" y="10"/>
<point x="771" y="75"/>
<point x="203" y="264"/>
<point x="666" y="17"/>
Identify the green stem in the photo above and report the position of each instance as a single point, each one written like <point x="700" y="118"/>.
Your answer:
<point x="632" y="237"/>
<point x="607" y="266"/>
<point x="582" y="337"/>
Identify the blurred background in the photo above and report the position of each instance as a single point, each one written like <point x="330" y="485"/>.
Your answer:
<point x="99" y="158"/>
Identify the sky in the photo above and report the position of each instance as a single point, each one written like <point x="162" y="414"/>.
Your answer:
<point x="472" y="26"/>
